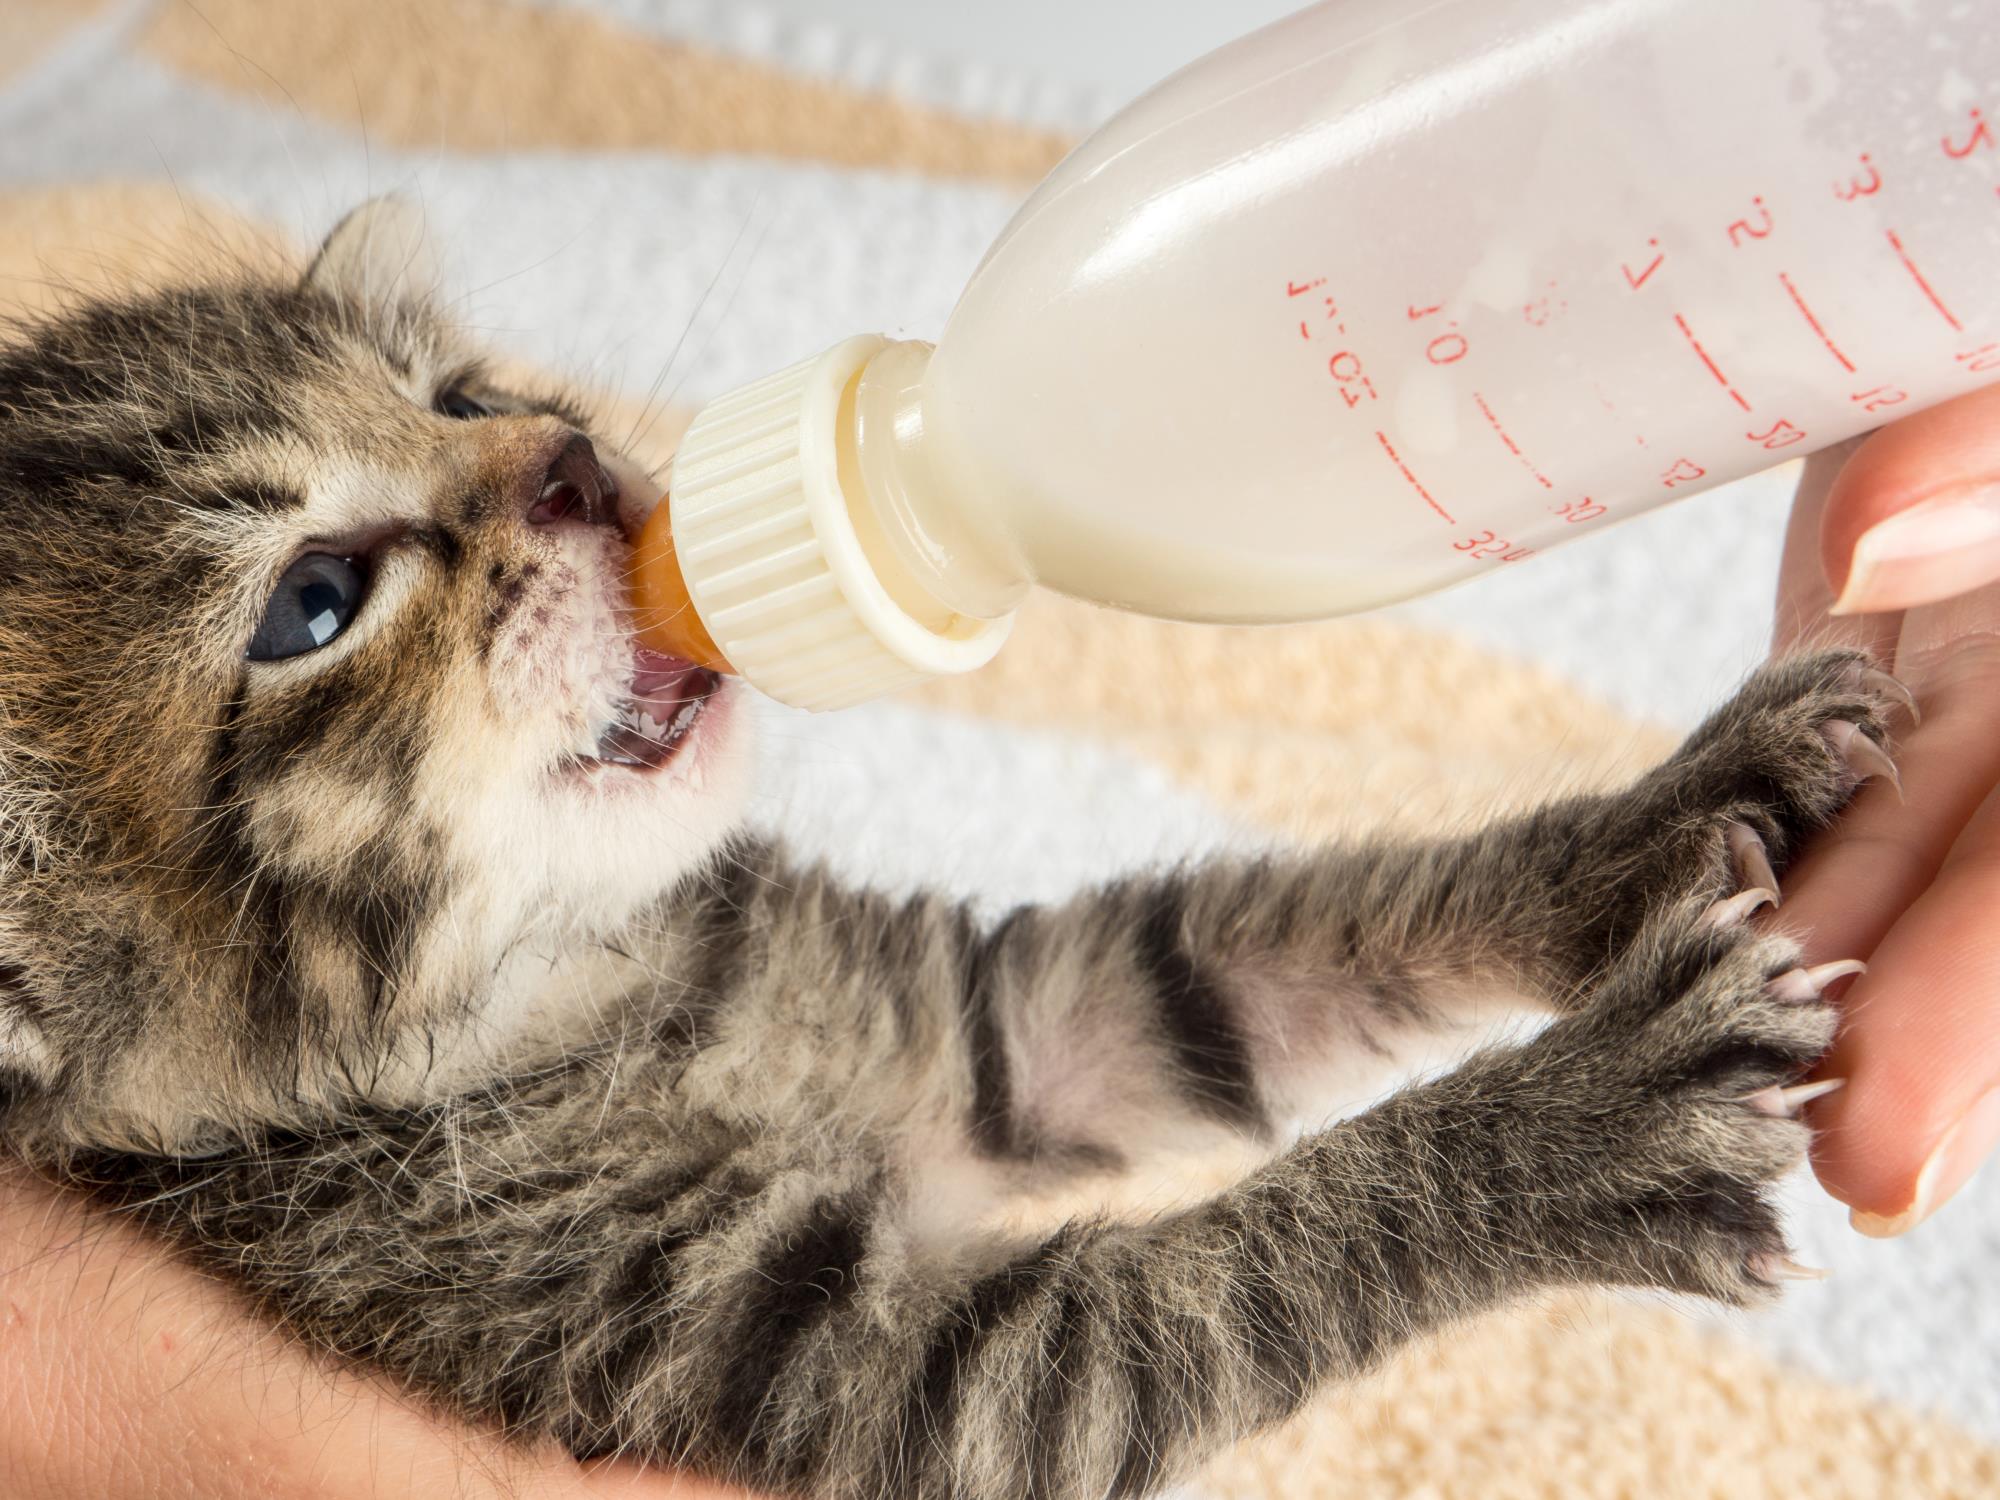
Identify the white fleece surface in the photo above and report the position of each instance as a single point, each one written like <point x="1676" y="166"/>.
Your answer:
<point x="1053" y="64"/>
<point x="621" y="267"/>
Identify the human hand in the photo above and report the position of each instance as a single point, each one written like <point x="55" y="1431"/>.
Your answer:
<point x="123" y="1372"/>
<point x="1894" y="544"/>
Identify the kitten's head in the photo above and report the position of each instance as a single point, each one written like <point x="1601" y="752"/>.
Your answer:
<point x="324" y="744"/>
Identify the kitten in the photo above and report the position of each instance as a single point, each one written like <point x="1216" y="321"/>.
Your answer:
<point x="376" y="927"/>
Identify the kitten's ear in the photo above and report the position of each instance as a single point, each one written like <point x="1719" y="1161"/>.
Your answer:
<point x="380" y="253"/>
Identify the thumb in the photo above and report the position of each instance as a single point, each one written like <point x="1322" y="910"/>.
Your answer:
<point x="1914" y="516"/>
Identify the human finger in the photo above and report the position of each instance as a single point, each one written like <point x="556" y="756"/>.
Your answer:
<point x="1915" y="515"/>
<point x="1900" y="883"/>
<point x="1802" y="619"/>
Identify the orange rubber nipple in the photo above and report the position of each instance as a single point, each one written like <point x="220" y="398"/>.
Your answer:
<point x="666" y="619"/>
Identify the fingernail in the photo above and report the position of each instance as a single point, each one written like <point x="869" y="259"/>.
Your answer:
<point x="1945" y="545"/>
<point x="1950" y="1166"/>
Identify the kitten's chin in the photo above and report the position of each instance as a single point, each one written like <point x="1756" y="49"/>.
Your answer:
<point x="630" y="823"/>
<point x="655" y="769"/>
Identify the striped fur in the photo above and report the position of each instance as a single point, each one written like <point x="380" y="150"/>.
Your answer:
<point x="579" y="1112"/>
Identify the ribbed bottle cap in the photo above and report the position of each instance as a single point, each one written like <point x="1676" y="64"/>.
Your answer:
<point x="767" y="546"/>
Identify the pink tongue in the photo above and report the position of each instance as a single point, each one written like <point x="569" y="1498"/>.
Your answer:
<point x="658" y="678"/>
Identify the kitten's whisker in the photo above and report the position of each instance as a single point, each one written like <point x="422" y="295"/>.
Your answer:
<point x="644" y="419"/>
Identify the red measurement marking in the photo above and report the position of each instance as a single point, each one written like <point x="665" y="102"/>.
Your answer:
<point x="1578" y="511"/>
<point x="1743" y="229"/>
<point x="1416" y="312"/>
<point x="1489" y="544"/>
<point x="1446" y="349"/>
<point x="1294" y="289"/>
<point x="1351" y="374"/>
<point x="1494" y="422"/>
<point x="1782" y="434"/>
<point x="1396" y="459"/>
<point x="1879" y="397"/>
<point x="1332" y="314"/>
<point x="1682" y="471"/>
<point x="1807" y="313"/>
<point x="1985" y="357"/>
<point x="1911" y="266"/>
<point x="1635" y="282"/>
<point x="1860" y="187"/>
<point x="1720" y="379"/>
<point x="1982" y="135"/>
<point x="1539" y="311"/>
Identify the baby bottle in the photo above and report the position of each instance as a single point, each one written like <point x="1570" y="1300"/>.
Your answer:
<point x="1370" y="302"/>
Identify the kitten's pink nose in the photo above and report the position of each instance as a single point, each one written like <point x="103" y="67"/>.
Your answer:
<point x="576" y="488"/>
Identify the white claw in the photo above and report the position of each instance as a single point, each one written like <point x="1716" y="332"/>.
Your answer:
<point x="1731" y="910"/>
<point x="1753" y="863"/>
<point x="1863" y="756"/>
<point x="1893" y="689"/>
<point x="1784" y="1268"/>
<point x="1800" y="985"/>
<point x="1785" y="1103"/>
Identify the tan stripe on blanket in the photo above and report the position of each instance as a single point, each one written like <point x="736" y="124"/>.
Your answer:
<point x="30" y="29"/>
<point x="467" y="76"/>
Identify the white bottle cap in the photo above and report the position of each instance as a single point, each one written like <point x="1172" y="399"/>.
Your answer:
<point x="765" y="538"/>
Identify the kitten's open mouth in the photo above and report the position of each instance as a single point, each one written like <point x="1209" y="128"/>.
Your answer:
<point x="659" y="715"/>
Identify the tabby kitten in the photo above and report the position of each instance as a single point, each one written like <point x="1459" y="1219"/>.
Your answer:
<point x="376" y="927"/>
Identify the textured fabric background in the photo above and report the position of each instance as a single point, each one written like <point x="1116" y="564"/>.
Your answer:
<point x="663" y="199"/>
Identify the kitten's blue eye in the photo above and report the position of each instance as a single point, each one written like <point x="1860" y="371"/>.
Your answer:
<point x="312" y="604"/>
<point x="456" y="404"/>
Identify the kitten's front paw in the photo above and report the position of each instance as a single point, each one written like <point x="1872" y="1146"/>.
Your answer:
<point x="1789" y="749"/>
<point x="1736" y="803"/>
<point x="1684" y="1078"/>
